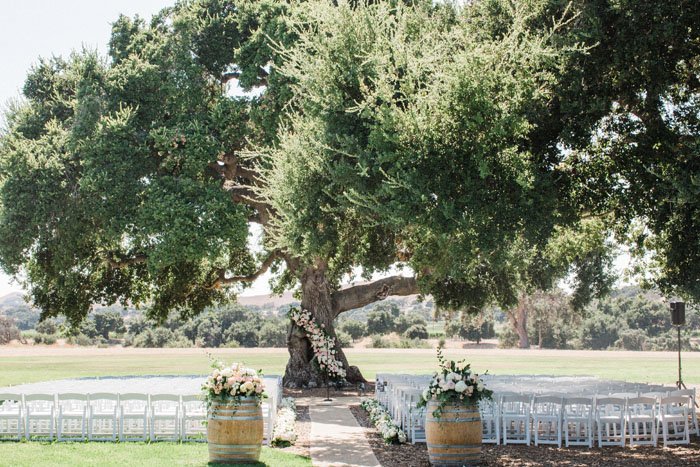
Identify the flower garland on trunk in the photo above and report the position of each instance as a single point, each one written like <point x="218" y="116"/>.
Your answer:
<point x="322" y="344"/>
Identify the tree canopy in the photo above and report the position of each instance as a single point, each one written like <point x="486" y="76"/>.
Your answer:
<point x="487" y="148"/>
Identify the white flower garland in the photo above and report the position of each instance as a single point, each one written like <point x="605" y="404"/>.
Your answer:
<point x="284" y="432"/>
<point x="322" y="344"/>
<point x="381" y="419"/>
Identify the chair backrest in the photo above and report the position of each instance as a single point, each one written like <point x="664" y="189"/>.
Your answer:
<point x="103" y="401"/>
<point x="103" y="396"/>
<point x="674" y="404"/>
<point x="164" y="402"/>
<point x="30" y="398"/>
<point x="641" y="405"/>
<point x="610" y="405"/>
<point x="683" y="392"/>
<point x="578" y="406"/>
<point x="72" y="396"/>
<point x="39" y="402"/>
<point x="133" y="401"/>
<point x="11" y="403"/>
<point x="547" y="405"/>
<point x="516" y="404"/>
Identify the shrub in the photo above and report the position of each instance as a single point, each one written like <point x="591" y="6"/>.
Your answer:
<point x="47" y="326"/>
<point x="417" y="331"/>
<point x="354" y="328"/>
<point x="8" y="330"/>
<point x="632" y="339"/>
<point x="378" y="342"/>
<point x="405" y="321"/>
<point x="413" y="344"/>
<point x="81" y="339"/>
<point x="344" y="339"/>
<point x="273" y="333"/>
<point x="47" y="339"/>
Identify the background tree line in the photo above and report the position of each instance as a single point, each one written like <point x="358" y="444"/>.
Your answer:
<point x="629" y="319"/>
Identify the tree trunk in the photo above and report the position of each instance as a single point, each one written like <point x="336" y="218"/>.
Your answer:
<point x="518" y="319"/>
<point x="317" y="298"/>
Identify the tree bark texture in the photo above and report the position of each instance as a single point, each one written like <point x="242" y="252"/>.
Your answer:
<point x="518" y="318"/>
<point x="325" y="304"/>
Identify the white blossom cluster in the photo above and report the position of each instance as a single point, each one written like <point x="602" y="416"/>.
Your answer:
<point x="381" y="419"/>
<point x="323" y="345"/>
<point x="284" y="432"/>
<point x="226" y="382"/>
<point x="455" y="383"/>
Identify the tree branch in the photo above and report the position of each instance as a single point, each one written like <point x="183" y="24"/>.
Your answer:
<point x="115" y="261"/>
<point x="223" y="280"/>
<point x="361" y="295"/>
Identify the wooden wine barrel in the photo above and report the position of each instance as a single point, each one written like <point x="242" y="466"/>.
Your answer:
<point x="455" y="437"/>
<point x="235" y="431"/>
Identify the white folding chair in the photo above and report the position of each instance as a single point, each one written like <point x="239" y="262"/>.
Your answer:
<point x="11" y="416"/>
<point x="694" y="426"/>
<point x="164" y="412"/>
<point x="413" y="421"/>
<point x="641" y="421"/>
<point x="546" y="419"/>
<point x="578" y="421"/>
<point x="673" y="419"/>
<point x="490" y="421"/>
<point x="133" y="417"/>
<point x="194" y="415"/>
<point x="40" y="410"/>
<point x="268" y="413"/>
<point x="72" y="417"/>
<point x="515" y="418"/>
<point x="610" y="421"/>
<point x="103" y="421"/>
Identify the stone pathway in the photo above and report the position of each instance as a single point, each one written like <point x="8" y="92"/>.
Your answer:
<point x="336" y="437"/>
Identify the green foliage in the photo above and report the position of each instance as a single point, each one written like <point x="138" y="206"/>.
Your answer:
<point x="273" y="334"/>
<point x="108" y="321"/>
<point x="473" y="328"/>
<point x="8" y="330"/>
<point x="353" y="328"/>
<point x="47" y="326"/>
<point x="344" y="340"/>
<point x="416" y="331"/>
<point x="380" y="322"/>
<point x="491" y="146"/>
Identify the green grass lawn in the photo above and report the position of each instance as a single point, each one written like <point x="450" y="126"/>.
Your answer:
<point x="25" y="454"/>
<point x="629" y="366"/>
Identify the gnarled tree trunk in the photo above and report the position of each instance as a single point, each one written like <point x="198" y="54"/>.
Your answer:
<point x="518" y="318"/>
<point x="325" y="304"/>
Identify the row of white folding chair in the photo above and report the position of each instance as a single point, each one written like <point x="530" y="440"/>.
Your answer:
<point x="616" y="419"/>
<point x="100" y="416"/>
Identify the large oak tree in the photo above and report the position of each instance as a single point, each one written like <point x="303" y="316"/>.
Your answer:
<point x="457" y="143"/>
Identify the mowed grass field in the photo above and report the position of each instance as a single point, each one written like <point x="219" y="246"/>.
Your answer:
<point x="26" y="454"/>
<point x="31" y="364"/>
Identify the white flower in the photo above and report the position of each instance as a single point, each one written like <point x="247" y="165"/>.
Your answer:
<point x="452" y="377"/>
<point x="480" y="386"/>
<point x="426" y="394"/>
<point x="461" y="386"/>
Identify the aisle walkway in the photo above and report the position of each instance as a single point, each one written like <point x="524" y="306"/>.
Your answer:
<point x="336" y="437"/>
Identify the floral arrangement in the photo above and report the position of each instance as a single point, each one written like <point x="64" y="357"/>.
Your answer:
<point x="381" y="419"/>
<point x="284" y="433"/>
<point x="322" y="344"/>
<point x="454" y="384"/>
<point x="230" y="383"/>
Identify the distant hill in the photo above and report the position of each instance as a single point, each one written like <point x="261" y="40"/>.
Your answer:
<point x="12" y="300"/>
<point x="268" y="301"/>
